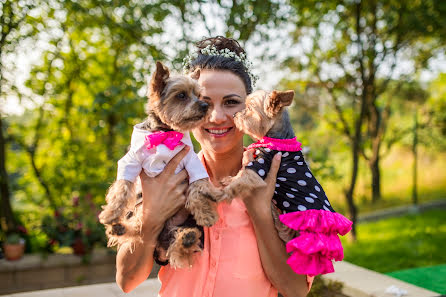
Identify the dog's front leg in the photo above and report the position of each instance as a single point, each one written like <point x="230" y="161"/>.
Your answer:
<point x="285" y="233"/>
<point x="118" y="215"/>
<point x="200" y="197"/>
<point x="243" y="184"/>
<point x="121" y="198"/>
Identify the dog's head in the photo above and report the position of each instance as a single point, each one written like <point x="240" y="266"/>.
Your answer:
<point x="262" y="111"/>
<point x="174" y="99"/>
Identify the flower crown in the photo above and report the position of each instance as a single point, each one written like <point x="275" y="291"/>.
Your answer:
<point x="211" y="50"/>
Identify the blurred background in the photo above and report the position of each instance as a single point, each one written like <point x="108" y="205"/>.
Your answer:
<point x="370" y="108"/>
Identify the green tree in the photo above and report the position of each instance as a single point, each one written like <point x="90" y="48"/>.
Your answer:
<point x="89" y="86"/>
<point x="435" y="114"/>
<point x="89" y="81"/>
<point x="17" y="22"/>
<point x="350" y="54"/>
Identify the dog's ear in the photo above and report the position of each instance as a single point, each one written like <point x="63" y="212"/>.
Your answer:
<point x="276" y="101"/>
<point x="158" y="81"/>
<point x="196" y="74"/>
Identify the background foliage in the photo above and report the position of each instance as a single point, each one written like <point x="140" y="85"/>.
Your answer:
<point x="363" y="71"/>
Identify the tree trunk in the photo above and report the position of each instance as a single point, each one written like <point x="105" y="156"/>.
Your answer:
<point x="7" y="220"/>
<point x="376" y="181"/>
<point x="375" y="170"/>
<point x="356" y="138"/>
<point x="111" y="136"/>
<point x="353" y="212"/>
<point x="376" y="123"/>
<point x="415" y="159"/>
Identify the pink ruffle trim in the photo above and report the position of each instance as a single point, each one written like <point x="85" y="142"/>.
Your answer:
<point x="311" y="265"/>
<point x="309" y="243"/>
<point x="289" y="145"/>
<point x="318" y="244"/>
<point x="314" y="220"/>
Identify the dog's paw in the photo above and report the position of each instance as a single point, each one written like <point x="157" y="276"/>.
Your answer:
<point x="189" y="238"/>
<point x="206" y="219"/>
<point x="226" y="181"/>
<point x="220" y="195"/>
<point x="108" y="216"/>
<point x="181" y="251"/>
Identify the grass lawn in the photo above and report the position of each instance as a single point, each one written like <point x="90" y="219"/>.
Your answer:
<point x="400" y="243"/>
<point x="396" y="169"/>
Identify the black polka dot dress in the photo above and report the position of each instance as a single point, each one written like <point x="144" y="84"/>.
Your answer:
<point x="296" y="187"/>
<point x="305" y="207"/>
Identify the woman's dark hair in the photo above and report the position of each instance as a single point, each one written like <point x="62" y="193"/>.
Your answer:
<point x="204" y="61"/>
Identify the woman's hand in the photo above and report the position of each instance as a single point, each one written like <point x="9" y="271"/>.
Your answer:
<point x="260" y="200"/>
<point x="164" y="194"/>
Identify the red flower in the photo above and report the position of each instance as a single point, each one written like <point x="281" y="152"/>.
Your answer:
<point x="76" y="201"/>
<point x="56" y="213"/>
<point x="79" y="226"/>
<point x="22" y="229"/>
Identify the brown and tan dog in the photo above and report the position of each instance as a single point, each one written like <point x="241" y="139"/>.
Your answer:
<point x="173" y="106"/>
<point x="302" y="213"/>
<point x="264" y="115"/>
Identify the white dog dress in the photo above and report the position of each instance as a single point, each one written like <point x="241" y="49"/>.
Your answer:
<point x="151" y="151"/>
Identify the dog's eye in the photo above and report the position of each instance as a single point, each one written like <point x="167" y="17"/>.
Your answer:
<point x="182" y="95"/>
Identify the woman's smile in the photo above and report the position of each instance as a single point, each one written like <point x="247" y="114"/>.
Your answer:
<point x="218" y="132"/>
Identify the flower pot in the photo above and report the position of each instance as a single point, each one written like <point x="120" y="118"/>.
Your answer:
<point x="14" y="251"/>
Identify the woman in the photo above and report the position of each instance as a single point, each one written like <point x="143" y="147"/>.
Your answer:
<point x="242" y="255"/>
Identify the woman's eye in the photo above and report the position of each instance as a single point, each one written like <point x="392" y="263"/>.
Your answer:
<point x="181" y="95"/>
<point x="232" y="102"/>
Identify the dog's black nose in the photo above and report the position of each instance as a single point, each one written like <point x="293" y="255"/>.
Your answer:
<point x="203" y="106"/>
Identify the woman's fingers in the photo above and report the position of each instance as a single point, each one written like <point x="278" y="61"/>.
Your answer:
<point x="181" y="177"/>
<point x="175" y="161"/>
<point x="275" y="165"/>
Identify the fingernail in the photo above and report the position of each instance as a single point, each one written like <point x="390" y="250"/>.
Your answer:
<point x="278" y="156"/>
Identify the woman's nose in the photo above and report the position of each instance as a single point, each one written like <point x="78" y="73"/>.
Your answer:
<point x="217" y="115"/>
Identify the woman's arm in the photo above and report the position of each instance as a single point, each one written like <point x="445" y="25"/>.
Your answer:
<point x="163" y="196"/>
<point x="272" y="249"/>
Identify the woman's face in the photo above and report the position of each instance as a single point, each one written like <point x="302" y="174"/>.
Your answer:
<point x="225" y="93"/>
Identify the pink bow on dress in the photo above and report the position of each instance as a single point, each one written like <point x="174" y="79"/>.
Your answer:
<point x="171" y="139"/>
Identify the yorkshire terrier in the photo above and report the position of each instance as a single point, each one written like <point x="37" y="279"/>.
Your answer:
<point x="173" y="109"/>
<point x="301" y="211"/>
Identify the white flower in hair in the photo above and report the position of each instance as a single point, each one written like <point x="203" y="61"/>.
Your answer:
<point x="211" y="50"/>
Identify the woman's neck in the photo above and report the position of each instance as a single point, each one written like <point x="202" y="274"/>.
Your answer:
<point x="222" y="165"/>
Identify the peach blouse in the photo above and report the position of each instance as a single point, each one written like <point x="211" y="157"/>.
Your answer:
<point x="229" y="264"/>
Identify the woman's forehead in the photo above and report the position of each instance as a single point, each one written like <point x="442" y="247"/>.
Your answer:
<point x="221" y="83"/>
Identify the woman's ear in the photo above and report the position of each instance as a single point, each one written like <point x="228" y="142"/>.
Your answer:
<point x="276" y="101"/>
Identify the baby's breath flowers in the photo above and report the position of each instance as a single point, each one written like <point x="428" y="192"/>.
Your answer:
<point x="211" y="50"/>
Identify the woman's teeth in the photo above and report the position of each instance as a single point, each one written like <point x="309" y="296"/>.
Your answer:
<point x="217" y="131"/>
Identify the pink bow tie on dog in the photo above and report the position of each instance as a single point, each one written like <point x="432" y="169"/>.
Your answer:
<point x="171" y="139"/>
